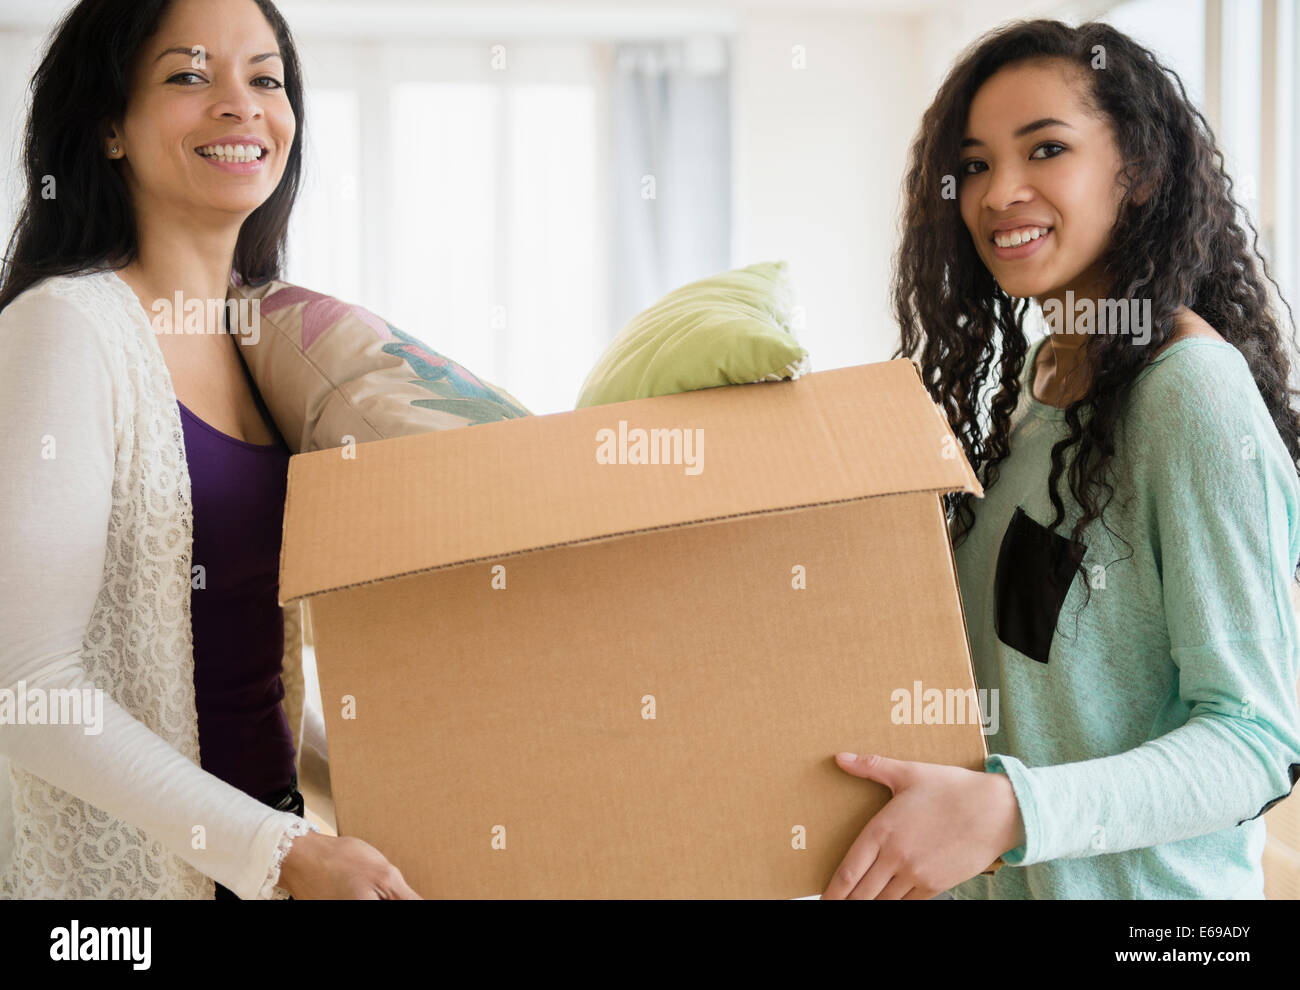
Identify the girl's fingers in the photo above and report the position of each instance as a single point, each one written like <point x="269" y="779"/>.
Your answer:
<point x="896" y="890"/>
<point x="856" y="862"/>
<point x="877" y="879"/>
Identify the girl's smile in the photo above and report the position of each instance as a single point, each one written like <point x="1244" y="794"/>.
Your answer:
<point x="1019" y="242"/>
<point x="1038" y="181"/>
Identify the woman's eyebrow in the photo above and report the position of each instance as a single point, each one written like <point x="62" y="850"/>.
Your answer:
<point x="1029" y="128"/>
<point x="192" y="51"/>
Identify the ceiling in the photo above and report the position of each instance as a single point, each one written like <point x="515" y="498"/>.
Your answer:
<point x="572" y="17"/>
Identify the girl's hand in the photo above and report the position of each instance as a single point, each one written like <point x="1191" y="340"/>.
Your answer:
<point x="942" y="826"/>
<point x="327" y="867"/>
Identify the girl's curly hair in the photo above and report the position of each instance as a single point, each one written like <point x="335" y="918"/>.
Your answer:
<point x="1180" y="243"/>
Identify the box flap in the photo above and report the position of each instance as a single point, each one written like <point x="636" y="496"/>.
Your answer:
<point x="417" y="503"/>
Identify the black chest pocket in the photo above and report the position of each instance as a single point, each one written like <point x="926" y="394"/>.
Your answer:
<point x="1035" y="570"/>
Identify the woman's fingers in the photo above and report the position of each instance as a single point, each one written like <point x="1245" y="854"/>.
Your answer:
<point x="403" y="892"/>
<point x="393" y="887"/>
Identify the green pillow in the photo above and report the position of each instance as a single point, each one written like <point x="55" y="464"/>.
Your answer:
<point x="731" y="329"/>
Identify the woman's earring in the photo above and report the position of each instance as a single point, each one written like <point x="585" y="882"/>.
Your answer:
<point x="113" y="150"/>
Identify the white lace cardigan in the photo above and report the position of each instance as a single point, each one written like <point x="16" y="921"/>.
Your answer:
<point x="96" y="528"/>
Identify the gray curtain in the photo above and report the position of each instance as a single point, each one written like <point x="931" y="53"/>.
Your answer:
<point x="672" y="168"/>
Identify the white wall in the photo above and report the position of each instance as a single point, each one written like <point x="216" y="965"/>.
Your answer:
<point x="820" y="152"/>
<point x="18" y="58"/>
<point x="819" y="155"/>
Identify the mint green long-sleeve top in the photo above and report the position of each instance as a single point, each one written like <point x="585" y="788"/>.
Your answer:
<point x="1145" y="733"/>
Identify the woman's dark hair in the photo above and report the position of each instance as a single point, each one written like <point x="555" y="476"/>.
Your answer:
<point x="80" y="86"/>
<point x="1180" y="243"/>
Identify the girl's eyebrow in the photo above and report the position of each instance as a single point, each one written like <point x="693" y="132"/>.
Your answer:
<point x="1029" y="128"/>
<point x="191" y="52"/>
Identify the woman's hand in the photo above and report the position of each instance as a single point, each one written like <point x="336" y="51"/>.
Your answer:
<point x="942" y="826"/>
<point x="327" y="867"/>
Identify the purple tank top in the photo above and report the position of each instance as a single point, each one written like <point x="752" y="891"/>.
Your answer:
<point x="238" y="492"/>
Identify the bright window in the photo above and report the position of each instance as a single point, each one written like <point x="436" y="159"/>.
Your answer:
<point x="456" y="190"/>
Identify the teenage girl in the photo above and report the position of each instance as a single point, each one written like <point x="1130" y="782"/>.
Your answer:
<point x="1127" y="577"/>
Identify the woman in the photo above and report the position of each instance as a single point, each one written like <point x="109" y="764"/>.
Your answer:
<point x="1140" y="487"/>
<point x="144" y="481"/>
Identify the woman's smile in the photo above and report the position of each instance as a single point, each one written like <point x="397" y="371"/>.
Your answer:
<point x="1021" y="244"/>
<point x="244" y="156"/>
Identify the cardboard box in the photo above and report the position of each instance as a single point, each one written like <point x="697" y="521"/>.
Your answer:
<point x="548" y="670"/>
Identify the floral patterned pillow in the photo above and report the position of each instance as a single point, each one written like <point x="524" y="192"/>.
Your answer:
<point x="328" y="370"/>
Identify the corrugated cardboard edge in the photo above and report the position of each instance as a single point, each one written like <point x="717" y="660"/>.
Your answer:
<point x="972" y="482"/>
<point x="710" y="520"/>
